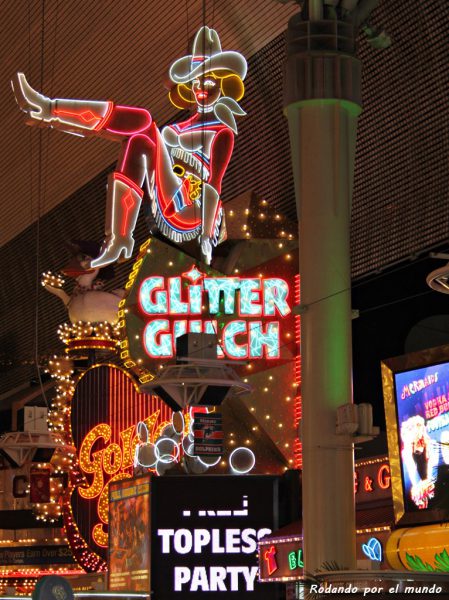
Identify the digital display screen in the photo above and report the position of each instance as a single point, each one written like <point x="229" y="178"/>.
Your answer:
<point x="422" y="401"/>
<point x="129" y="535"/>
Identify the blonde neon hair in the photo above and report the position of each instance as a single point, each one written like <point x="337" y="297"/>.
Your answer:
<point x="231" y="86"/>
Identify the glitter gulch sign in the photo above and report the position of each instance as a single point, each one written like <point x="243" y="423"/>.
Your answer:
<point x="173" y="306"/>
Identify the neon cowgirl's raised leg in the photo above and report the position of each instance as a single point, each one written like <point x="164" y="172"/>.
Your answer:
<point x="137" y="159"/>
<point x="124" y="198"/>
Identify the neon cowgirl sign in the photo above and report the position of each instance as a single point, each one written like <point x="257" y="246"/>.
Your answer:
<point x="182" y="165"/>
<point x="162" y="299"/>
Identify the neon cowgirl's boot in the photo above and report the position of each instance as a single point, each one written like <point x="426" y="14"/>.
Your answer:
<point x="210" y="216"/>
<point x="123" y="203"/>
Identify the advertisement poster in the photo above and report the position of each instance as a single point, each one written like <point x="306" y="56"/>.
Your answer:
<point x="205" y="536"/>
<point x="422" y="400"/>
<point x="129" y="535"/>
<point x="39" y="485"/>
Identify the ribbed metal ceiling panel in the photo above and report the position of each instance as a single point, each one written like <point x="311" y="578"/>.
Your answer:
<point x="100" y="49"/>
<point x="401" y="202"/>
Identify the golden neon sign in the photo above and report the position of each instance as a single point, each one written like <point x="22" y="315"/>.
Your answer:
<point x="111" y="463"/>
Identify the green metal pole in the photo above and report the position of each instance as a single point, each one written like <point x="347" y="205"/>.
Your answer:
<point x="322" y="106"/>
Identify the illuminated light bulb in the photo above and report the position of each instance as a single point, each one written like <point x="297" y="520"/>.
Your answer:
<point x="280" y="425"/>
<point x="270" y="377"/>
<point x="170" y="263"/>
<point x="280" y="245"/>
<point x="267" y="417"/>
<point x="252" y="409"/>
<point x="246" y="211"/>
<point x="231" y="213"/>
<point x="265" y="389"/>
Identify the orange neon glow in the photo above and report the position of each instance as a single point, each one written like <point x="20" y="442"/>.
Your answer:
<point x="384" y="477"/>
<point x="270" y="558"/>
<point x="87" y="116"/>
<point x="128" y="203"/>
<point x="111" y="463"/>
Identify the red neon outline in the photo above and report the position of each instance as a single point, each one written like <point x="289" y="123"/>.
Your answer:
<point x="216" y="172"/>
<point x="164" y="332"/>
<point x="381" y="480"/>
<point x="368" y="484"/>
<point x="259" y="291"/>
<point x="127" y="181"/>
<point x="270" y="559"/>
<point x="132" y="131"/>
<point x="108" y="113"/>
<point x="125" y="156"/>
<point x="275" y="307"/>
<point x="177" y="220"/>
<point x="87" y="116"/>
<point x="128" y="203"/>
<point x="156" y="289"/>
<point x="297" y="448"/>
<point x="244" y="346"/>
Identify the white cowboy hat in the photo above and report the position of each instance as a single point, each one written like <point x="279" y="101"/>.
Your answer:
<point x="207" y="56"/>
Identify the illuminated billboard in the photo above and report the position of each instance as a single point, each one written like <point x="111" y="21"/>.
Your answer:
<point x="250" y="313"/>
<point x="417" y="411"/>
<point x="205" y="535"/>
<point x="106" y="407"/>
<point x="129" y="535"/>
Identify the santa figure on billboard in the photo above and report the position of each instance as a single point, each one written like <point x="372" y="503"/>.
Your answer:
<point x="182" y="165"/>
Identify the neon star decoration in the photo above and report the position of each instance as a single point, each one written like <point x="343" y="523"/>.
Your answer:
<point x="181" y="166"/>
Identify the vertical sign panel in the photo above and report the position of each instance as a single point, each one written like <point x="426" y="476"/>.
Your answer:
<point x="205" y="535"/>
<point x="129" y="535"/>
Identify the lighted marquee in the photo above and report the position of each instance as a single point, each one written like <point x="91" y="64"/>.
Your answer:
<point x="205" y="535"/>
<point x="184" y="297"/>
<point x="251" y="315"/>
<point x="106" y="407"/>
<point x="416" y="392"/>
<point x="281" y="558"/>
<point x="129" y="557"/>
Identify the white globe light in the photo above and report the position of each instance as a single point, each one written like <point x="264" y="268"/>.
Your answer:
<point x="242" y="460"/>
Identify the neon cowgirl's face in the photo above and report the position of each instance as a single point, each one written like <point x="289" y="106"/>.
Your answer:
<point x="206" y="90"/>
